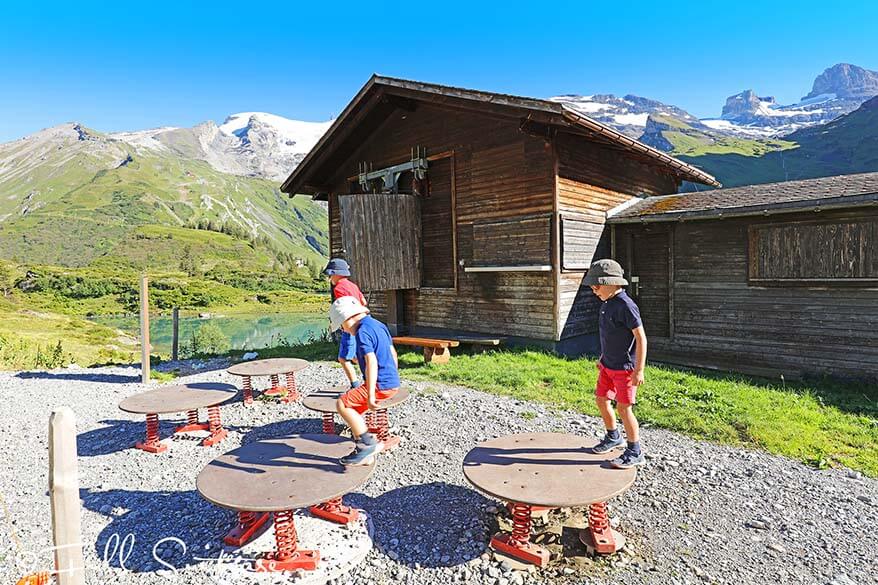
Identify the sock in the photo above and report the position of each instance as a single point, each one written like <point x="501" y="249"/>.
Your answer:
<point x="368" y="439"/>
<point x="634" y="447"/>
<point x="613" y="434"/>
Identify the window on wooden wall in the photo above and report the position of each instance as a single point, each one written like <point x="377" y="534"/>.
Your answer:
<point x="825" y="252"/>
<point x="579" y="241"/>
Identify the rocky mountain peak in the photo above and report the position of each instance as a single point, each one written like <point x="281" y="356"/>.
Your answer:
<point x="746" y="102"/>
<point x="845" y="81"/>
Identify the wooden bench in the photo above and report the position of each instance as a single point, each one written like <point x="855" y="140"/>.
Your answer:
<point x="436" y="351"/>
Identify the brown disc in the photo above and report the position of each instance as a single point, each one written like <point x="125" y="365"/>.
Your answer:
<point x="171" y="399"/>
<point x="281" y="474"/>
<point x="269" y="367"/>
<point x="545" y="469"/>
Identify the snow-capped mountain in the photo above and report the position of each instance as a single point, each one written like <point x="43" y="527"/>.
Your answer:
<point x="839" y="90"/>
<point x="250" y="143"/>
<point x="627" y="114"/>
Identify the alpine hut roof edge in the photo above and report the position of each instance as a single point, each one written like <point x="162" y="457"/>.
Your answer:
<point x="837" y="191"/>
<point x="565" y="116"/>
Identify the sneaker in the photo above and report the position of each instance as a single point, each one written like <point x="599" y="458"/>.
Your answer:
<point x="356" y="384"/>
<point x="608" y="444"/>
<point x="628" y="459"/>
<point x="363" y="454"/>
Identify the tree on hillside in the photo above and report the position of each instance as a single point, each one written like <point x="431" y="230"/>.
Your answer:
<point x="189" y="261"/>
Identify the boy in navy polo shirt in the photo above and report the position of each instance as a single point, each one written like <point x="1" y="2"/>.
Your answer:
<point x="623" y="358"/>
<point x="340" y="285"/>
<point x="380" y="367"/>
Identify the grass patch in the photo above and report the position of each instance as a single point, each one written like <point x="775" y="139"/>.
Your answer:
<point x="824" y="423"/>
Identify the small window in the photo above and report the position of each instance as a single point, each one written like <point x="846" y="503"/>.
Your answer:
<point x="579" y="242"/>
<point x="836" y="252"/>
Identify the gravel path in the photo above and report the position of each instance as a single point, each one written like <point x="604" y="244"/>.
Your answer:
<point x="698" y="512"/>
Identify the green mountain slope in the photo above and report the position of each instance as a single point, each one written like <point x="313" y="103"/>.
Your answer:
<point x="73" y="197"/>
<point x="848" y="144"/>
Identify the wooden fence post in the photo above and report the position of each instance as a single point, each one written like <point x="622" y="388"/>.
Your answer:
<point x="144" y="329"/>
<point x="175" y="344"/>
<point x="64" y="495"/>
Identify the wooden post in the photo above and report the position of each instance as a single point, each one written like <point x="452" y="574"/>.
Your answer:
<point x="64" y="496"/>
<point x="175" y="344"/>
<point x="144" y="329"/>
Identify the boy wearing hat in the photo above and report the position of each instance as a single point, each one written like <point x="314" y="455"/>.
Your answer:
<point x="340" y="285"/>
<point x="380" y="367"/>
<point x="623" y="358"/>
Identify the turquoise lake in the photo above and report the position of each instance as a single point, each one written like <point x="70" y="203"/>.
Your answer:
<point x="244" y="331"/>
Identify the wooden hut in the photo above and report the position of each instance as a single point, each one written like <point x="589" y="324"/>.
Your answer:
<point x="471" y="213"/>
<point x="766" y="279"/>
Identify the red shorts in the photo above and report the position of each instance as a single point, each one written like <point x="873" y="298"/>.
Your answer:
<point x="616" y="385"/>
<point x="358" y="398"/>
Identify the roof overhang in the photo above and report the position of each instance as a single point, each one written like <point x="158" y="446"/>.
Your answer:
<point x="394" y="93"/>
<point x="825" y="204"/>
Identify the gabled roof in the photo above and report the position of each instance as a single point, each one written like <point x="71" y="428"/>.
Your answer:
<point x="785" y="197"/>
<point x="380" y="91"/>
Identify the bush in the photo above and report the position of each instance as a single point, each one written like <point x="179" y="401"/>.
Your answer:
<point x="207" y="340"/>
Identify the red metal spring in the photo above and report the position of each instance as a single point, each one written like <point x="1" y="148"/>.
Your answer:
<point x="521" y="524"/>
<point x="285" y="534"/>
<point x="369" y="417"/>
<point x="192" y="417"/>
<point x="332" y="505"/>
<point x="598" y="520"/>
<point x="35" y="579"/>
<point x="328" y="423"/>
<point x="152" y="428"/>
<point x="275" y="381"/>
<point x="292" y="389"/>
<point x="383" y="424"/>
<point x="247" y="519"/>
<point x="248" y="390"/>
<point x="213" y="416"/>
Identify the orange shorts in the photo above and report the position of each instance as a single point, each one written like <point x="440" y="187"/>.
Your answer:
<point x="358" y="398"/>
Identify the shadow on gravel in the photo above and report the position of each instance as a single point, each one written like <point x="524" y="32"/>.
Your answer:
<point x="82" y="377"/>
<point x="284" y="428"/>
<point x="152" y="531"/>
<point x="432" y="525"/>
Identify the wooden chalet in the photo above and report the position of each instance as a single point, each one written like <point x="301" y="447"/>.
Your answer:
<point x="471" y="213"/>
<point x="776" y="279"/>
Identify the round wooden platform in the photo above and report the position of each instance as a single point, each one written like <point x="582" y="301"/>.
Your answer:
<point x="268" y="367"/>
<point x="324" y="401"/>
<point x="181" y="398"/>
<point x="281" y="474"/>
<point x="556" y="470"/>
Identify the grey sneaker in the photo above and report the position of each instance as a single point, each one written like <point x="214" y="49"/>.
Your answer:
<point x="608" y="444"/>
<point x="628" y="460"/>
<point x="363" y="454"/>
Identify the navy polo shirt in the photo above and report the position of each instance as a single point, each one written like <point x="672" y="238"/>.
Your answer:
<point x="619" y="315"/>
<point x="373" y="337"/>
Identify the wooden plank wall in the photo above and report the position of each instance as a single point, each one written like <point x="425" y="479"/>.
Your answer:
<point x="593" y="179"/>
<point x="385" y="222"/>
<point x="721" y="321"/>
<point x="501" y="173"/>
<point x="436" y="224"/>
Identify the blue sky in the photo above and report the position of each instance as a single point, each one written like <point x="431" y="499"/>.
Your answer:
<point x="127" y="66"/>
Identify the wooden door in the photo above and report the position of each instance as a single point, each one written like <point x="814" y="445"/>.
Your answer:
<point x="649" y="278"/>
<point x="381" y="239"/>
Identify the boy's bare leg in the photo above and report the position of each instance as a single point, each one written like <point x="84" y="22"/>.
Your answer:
<point x="632" y="428"/>
<point x="353" y="419"/>
<point x="606" y="410"/>
<point x="349" y="370"/>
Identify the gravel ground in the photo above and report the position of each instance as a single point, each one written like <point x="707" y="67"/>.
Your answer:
<point x="697" y="513"/>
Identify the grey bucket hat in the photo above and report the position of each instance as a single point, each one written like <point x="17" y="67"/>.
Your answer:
<point x="605" y="272"/>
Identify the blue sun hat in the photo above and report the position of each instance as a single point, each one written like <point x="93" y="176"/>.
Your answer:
<point x="337" y="266"/>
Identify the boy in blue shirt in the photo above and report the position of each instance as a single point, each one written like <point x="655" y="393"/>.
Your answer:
<point x="380" y="367"/>
<point x="623" y="358"/>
